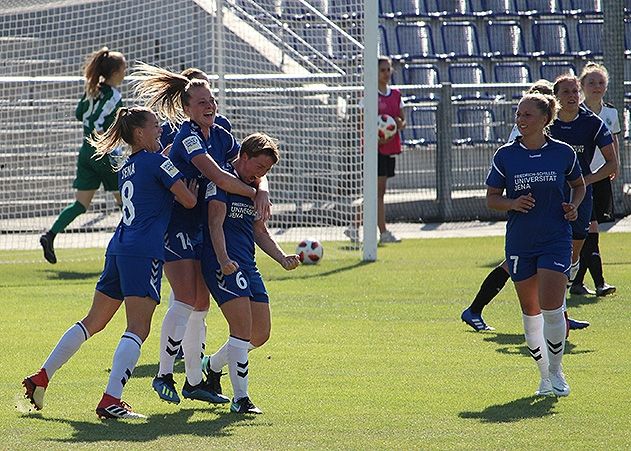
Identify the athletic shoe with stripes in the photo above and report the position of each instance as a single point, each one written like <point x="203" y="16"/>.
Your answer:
<point x="203" y="392"/>
<point x="35" y="387"/>
<point x="110" y="407"/>
<point x="244" y="405"/>
<point x="475" y="320"/>
<point x="165" y="388"/>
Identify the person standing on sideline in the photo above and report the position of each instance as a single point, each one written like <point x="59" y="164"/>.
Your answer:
<point x="104" y="72"/>
<point x="132" y="274"/>
<point x="391" y="104"/>
<point x="594" y="80"/>
<point x="534" y="171"/>
<point x="230" y="272"/>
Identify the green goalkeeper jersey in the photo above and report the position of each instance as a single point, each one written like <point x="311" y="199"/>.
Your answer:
<point x="97" y="114"/>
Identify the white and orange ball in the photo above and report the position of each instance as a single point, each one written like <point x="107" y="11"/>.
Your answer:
<point x="310" y="251"/>
<point x="386" y="126"/>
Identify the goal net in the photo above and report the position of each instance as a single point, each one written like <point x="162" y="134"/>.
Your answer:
<point x="290" y="68"/>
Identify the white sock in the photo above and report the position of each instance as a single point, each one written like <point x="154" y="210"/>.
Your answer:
<point x="533" y="330"/>
<point x="219" y="359"/>
<point x="173" y="329"/>
<point x="192" y="345"/>
<point x="66" y="347"/>
<point x="554" y="334"/>
<point x="573" y="271"/>
<point x="171" y="298"/>
<point x="125" y="358"/>
<point x="238" y="366"/>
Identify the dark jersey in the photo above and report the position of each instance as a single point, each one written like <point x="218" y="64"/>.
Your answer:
<point x="544" y="174"/>
<point x="144" y="183"/>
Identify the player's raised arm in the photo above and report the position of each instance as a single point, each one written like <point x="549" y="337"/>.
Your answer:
<point x="268" y="245"/>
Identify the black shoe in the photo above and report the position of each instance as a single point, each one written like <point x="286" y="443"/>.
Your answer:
<point x="581" y="290"/>
<point x="213" y="379"/>
<point x="203" y="392"/>
<point x="244" y="405"/>
<point x="605" y="289"/>
<point x="46" y="240"/>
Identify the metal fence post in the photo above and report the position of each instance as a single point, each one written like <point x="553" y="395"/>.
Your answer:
<point x="443" y="152"/>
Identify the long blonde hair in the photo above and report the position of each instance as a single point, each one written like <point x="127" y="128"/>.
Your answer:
<point x="166" y="92"/>
<point x="120" y="132"/>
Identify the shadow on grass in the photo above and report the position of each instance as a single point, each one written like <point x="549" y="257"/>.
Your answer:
<point x="575" y="300"/>
<point x="492" y="264"/>
<point x="70" y="275"/>
<point x="154" y="427"/>
<point x="517" y="410"/>
<point x="514" y="344"/>
<point x="305" y="275"/>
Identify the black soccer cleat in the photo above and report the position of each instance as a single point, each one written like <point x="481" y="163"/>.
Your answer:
<point x="46" y="240"/>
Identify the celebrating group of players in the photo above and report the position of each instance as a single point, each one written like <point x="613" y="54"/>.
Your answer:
<point x="196" y="213"/>
<point x="555" y="172"/>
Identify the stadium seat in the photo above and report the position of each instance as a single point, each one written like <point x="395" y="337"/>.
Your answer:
<point x="421" y="127"/>
<point x="512" y="73"/>
<point x="448" y="8"/>
<point x="494" y="8"/>
<point x="505" y="39"/>
<point x="385" y="8"/>
<point x="476" y="125"/>
<point x="550" y="70"/>
<point x="590" y="36"/>
<point x="415" y="41"/>
<point x="539" y="7"/>
<point x="585" y="7"/>
<point x="551" y="38"/>
<point x="384" y="48"/>
<point x="469" y="74"/>
<point x="420" y="74"/>
<point x="409" y="8"/>
<point x="460" y="39"/>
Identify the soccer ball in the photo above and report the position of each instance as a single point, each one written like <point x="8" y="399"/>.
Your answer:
<point x="386" y="126"/>
<point x="309" y="251"/>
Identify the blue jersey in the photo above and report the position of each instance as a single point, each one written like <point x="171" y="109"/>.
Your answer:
<point x="544" y="174"/>
<point x="169" y="130"/>
<point x="144" y="182"/>
<point x="585" y="133"/>
<point x="238" y="225"/>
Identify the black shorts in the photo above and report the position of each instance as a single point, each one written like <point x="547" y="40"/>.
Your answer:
<point x="603" y="201"/>
<point x="385" y="165"/>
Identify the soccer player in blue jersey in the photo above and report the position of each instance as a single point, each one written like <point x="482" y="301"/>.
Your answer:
<point x="535" y="171"/>
<point x="229" y="268"/>
<point x="104" y="72"/>
<point x="148" y="183"/>
<point x="197" y="148"/>
<point x="585" y="132"/>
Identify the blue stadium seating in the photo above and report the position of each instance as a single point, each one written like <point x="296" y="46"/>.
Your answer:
<point x="550" y="70"/>
<point x="475" y="125"/>
<point x="590" y="36"/>
<point x="414" y="41"/>
<point x="466" y="73"/>
<point x="460" y="39"/>
<point x="512" y="73"/>
<point x="409" y="8"/>
<point x="385" y="8"/>
<point x="539" y="7"/>
<point x="505" y="39"/>
<point x="421" y="126"/>
<point x="420" y="74"/>
<point x="551" y="38"/>
<point x="384" y="47"/>
<point x="495" y="8"/>
<point x="447" y="8"/>
<point x="586" y="7"/>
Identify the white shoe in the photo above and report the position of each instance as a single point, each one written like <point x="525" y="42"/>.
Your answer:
<point x="353" y="234"/>
<point x="545" y="388"/>
<point x="559" y="384"/>
<point x="388" y="237"/>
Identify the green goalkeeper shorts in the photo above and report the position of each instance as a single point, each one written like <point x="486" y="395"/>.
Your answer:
<point x="92" y="172"/>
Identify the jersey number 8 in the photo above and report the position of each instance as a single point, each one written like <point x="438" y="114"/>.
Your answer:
<point x="129" y="212"/>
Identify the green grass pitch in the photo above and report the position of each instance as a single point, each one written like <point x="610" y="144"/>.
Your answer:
<point x="362" y="356"/>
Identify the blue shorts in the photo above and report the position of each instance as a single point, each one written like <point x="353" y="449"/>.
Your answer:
<point x="580" y="227"/>
<point x="523" y="265"/>
<point x="243" y="283"/>
<point x="125" y="276"/>
<point x="182" y="242"/>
